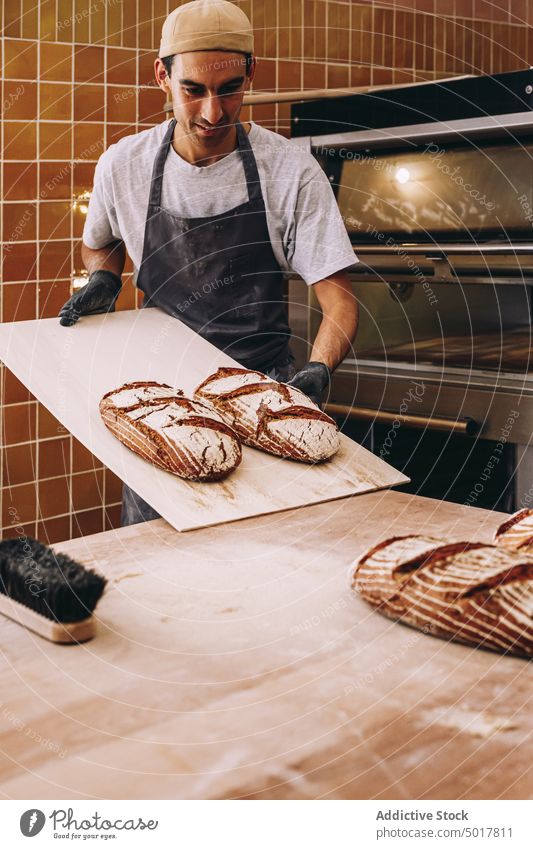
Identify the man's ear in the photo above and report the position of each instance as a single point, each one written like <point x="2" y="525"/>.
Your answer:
<point x="161" y="76"/>
<point x="253" y="67"/>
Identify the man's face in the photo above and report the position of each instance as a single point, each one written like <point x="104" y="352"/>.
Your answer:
<point x="207" y="90"/>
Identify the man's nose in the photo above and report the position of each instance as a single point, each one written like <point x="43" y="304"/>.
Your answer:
<point x="211" y="110"/>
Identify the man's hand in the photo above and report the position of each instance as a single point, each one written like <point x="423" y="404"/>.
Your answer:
<point x="312" y="379"/>
<point x="97" y="296"/>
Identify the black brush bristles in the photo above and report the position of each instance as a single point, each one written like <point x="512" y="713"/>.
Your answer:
<point x="52" y="584"/>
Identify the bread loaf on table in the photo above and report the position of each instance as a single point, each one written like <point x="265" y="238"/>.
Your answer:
<point x="517" y="532"/>
<point x="477" y="594"/>
<point x="175" y="433"/>
<point x="272" y="416"/>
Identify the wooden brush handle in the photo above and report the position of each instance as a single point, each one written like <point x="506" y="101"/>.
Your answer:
<point x="56" y="632"/>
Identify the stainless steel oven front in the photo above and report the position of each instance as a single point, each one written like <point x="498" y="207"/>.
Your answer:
<point x="439" y="380"/>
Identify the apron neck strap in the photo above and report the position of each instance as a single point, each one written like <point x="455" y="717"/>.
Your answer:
<point x="156" y="185"/>
<point x="248" y="162"/>
<point x="245" y="150"/>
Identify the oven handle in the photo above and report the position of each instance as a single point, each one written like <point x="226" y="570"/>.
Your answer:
<point x="431" y="250"/>
<point x="466" y="426"/>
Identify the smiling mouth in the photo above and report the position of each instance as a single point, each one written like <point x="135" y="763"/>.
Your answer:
<point x="209" y="131"/>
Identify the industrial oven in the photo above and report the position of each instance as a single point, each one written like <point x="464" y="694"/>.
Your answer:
<point x="435" y="185"/>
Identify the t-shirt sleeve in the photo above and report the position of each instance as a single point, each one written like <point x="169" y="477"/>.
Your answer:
<point x="101" y="225"/>
<point x="318" y="244"/>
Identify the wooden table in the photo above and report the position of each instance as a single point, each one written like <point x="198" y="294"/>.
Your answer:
<point x="236" y="661"/>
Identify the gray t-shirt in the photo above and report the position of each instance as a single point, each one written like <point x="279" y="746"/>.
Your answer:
<point x="306" y="228"/>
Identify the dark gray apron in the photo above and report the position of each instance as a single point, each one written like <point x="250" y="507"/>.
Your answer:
<point x="218" y="275"/>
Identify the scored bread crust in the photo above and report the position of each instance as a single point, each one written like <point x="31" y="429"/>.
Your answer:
<point x="517" y="531"/>
<point x="270" y="415"/>
<point x="473" y="593"/>
<point x="175" y="433"/>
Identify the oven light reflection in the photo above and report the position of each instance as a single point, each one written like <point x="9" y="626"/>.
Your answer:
<point x="79" y="279"/>
<point x="403" y="175"/>
<point x="81" y="202"/>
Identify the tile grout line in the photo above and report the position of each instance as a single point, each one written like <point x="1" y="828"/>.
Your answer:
<point x="72" y="75"/>
<point x="59" y="516"/>
<point x="92" y="471"/>
<point x="37" y="235"/>
<point x="106" y="66"/>
<point x="385" y="8"/>
<point x="2" y="370"/>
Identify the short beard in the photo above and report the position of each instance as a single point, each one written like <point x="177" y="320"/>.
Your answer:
<point x="190" y="134"/>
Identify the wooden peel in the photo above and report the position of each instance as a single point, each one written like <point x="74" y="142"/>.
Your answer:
<point x="146" y="344"/>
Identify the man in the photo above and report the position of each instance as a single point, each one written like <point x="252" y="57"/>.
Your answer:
<point x="212" y="212"/>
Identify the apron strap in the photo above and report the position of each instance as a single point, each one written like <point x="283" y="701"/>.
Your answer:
<point x="249" y="164"/>
<point x="251" y="173"/>
<point x="156" y="184"/>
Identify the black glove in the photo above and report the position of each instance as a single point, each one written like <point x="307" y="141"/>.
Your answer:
<point x="97" y="296"/>
<point x="312" y="379"/>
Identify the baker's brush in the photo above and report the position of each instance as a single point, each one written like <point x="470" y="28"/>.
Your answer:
<point x="46" y="592"/>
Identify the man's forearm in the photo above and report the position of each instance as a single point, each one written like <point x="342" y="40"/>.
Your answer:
<point x="336" y="334"/>
<point x="109" y="258"/>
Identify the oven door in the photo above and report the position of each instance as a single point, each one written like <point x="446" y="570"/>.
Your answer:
<point x="444" y="374"/>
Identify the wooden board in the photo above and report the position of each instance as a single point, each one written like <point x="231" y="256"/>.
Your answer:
<point x="237" y="662"/>
<point x="69" y="369"/>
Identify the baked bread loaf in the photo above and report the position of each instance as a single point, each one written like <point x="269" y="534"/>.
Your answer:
<point x="517" y="532"/>
<point x="477" y="594"/>
<point x="171" y="431"/>
<point x="272" y="416"/>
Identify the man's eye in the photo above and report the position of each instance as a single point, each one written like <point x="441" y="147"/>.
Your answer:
<point x="192" y="91"/>
<point x="231" y="90"/>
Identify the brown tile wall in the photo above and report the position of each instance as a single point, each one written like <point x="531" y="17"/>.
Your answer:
<point x="76" y="76"/>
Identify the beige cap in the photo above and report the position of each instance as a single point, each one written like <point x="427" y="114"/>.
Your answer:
<point x="206" y="25"/>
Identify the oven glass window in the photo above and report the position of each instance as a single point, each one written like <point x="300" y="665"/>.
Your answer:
<point x="456" y="193"/>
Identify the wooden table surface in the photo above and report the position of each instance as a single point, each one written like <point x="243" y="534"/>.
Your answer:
<point x="235" y="661"/>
